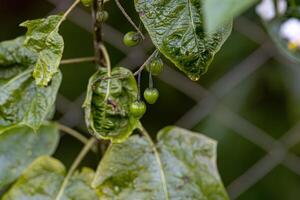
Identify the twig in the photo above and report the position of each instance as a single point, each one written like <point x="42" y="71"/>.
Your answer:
<point x="162" y="173"/>
<point x="67" y="12"/>
<point x="129" y="19"/>
<point x="78" y="60"/>
<point x="75" y="164"/>
<point x="107" y="59"/>
<point x="146" y="62"/>
<point x="75" y="134"/>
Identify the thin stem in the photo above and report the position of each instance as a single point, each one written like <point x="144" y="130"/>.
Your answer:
<point x="276" y="7"/>
<point x="162" y="173"/>
<point x="146" y="62"/>
<point x="75" y="164"/>
<point x="78" y="60"/>
<point x="150" y="80"/>
<point x="107" y="59"/>
<point x="67" y="12"/>
<point x="129" y="19"/>
<point x="75" y="134"/>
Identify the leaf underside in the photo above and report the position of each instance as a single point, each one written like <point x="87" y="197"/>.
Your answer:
<point x="176" y="28"/>
<point x="110" y="118"/>
<point x="43" y="180"/>
<point x="20" y="146"/>
<point x="130" y="170"/>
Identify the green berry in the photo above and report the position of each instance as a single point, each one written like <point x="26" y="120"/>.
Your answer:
<point x="132" y="39"/>
<point x="87" y="3"/>
<point x="138" y="109"/>
<point x="156" y="66"/>
<point x="151" y="95"/>
<point x="102" y="16"/>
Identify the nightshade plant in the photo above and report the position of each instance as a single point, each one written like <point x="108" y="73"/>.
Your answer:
<point x="179" y="165"/>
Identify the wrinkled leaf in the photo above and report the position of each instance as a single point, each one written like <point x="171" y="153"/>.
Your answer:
<point x="21" y="146"/>
<point x="217" y="13"/>
<point x="43" y="38"/>
<point x="43" y="179"/>
<point x="22" y="102"/>
<point x="13" y="52"/>
<point x="107" y="115"/>
<point x="273" y="28"/>
<point x="132" y="170"/>
<point x="177" y="30"/>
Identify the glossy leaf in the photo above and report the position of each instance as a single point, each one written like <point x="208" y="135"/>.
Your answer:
<point x="43" y="38"/>
<point x="217" y="13"/>
<point x="177" y="30"/>
<point x="132" y="170"/>
<point x="21" y="146"/>
<point x="22" y="102"/>
<point x="107" y="111"/>
<point x="43" y="181"/>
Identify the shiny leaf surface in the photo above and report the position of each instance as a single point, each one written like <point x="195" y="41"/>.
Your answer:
<point x="177" y="30"/>
<point x="107" y="110"/>
<point x="43" y="38"/>
<point x="43" y="179"/>
<point x="132" y="170"/>
<point x="21" y="146"/>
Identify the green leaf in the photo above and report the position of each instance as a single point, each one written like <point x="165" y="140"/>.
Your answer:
<point x="22" y="102"/>
<point x="13" y="52"/>
<point x="107" y="111"/>
<point x="21" y="146"/>
<point x="43" y="180"/>
<point x="182" y="165"/>
<point x="43" y="38"/>
<point x="177" y="30"/>
<point x="217" y="13"/>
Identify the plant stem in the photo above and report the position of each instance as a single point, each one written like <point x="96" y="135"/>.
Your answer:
<point x="78" y="60"/>
<point x="146" y="62"/>
<point x="162" y="173"/>
<point x="75" y="134"/>
<point x="97" y="33"/>
<point x="129" y="19"/>
<point x="67" y="12"/>
<point x="150" y="80"/>
<point x="75" y="164"/>
<point x="107" y="59"/>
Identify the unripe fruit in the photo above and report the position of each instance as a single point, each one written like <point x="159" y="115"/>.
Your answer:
<point x="132" y="39"/>
<point x="156" y="66"/>
<point x="102" y="16"/>
<point x="87" y="3"/>
<point x="151" y="95"/>
<point x="138" y="109"/>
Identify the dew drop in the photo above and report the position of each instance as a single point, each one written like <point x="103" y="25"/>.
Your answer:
<point x="194" y="77"/>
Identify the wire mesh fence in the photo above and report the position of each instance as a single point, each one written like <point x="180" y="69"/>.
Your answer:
<point x="277" y="151"/>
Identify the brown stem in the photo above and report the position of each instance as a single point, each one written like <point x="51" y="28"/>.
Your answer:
<point x="98" y="7"/>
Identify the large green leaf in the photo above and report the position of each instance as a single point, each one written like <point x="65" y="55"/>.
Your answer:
<point x="43" y="38"/>
<point x="177" y="30"/>
<point x="107" y="111"/>
<point x="21" y="146"/>
<point x="217" y="13"/>
<point x="22" y="102"/>
<point x="43" y="181"/>
<point x="182" y="165"/>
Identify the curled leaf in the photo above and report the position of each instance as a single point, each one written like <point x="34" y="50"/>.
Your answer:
<point x="176" y="28"/>
<point x="107" y="104"/>
<point x="182" y="165"/>
<point x="43" y="38"/>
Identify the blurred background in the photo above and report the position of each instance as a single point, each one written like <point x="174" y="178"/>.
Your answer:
<point x="249" y="101"/>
